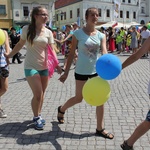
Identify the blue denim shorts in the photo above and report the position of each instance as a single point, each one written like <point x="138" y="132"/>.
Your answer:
<point x="31" y="72"/>
<point x="148" y="116"/>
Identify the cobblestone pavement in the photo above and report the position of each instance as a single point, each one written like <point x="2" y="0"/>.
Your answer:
<point x="125" y="109"/>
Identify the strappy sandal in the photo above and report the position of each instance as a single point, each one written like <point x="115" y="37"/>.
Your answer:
<point x="60" y="119"/>
<point x="125" y="146"/>
<point x="104" y="135"/>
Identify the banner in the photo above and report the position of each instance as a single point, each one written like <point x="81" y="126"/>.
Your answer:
<point x="116" y="9"/>
<point x="78" y="21"/>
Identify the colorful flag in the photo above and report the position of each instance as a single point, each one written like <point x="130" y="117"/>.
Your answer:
<point x="115" y="24"/>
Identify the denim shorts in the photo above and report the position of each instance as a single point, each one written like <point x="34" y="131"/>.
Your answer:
<point x="84" y="77"/>
<point x="148" y="116"/>
<point x="32" y="72"/>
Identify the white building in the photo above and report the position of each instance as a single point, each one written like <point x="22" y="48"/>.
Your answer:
<point x="63" y="12"/>
<point x="22" y="8"/>
<point x="130" y="11"/>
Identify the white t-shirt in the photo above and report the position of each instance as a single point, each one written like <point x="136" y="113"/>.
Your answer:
<point x="145" y="34"/>
<point x="36" y="56"/>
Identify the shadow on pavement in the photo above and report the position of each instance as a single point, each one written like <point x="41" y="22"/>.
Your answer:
<point x="17" y="130"/>
<point x="18" y="80"/>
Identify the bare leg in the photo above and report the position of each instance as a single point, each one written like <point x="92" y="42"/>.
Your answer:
<point x="76" y="99"/>
<point x="36" y="84"/>
<point x="100" y="117"/>
<point x="44" y="81"/>
<point x="3" y="87"/>
<point x="138" y="132"/>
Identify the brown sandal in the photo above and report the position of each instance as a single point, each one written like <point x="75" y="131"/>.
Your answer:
<point x="106" y="136"/>
<point x="125" y="146"/>
<point x="60" y="119"/>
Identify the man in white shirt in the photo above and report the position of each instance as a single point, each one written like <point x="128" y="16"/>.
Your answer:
<point x="144" y="35"/>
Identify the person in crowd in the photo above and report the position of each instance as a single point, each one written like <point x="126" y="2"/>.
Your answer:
<point x="134" y="39"/>
<point x="144" y="126"/>
<point x="14" y="37"/>
<point x="58" y="38"/>
<point x="144" y="35"/>
<point x="89" y="42"/>
<point x="75" y="26"/>
<point x="123" y="33"/>
<point x="128" y="41"/>
<point x="111" y="39"/>
<point x="69" y="32"/>
<point x="37" y="38"/>
<point x="119" y="41"/>
<point x="4" y="70"/>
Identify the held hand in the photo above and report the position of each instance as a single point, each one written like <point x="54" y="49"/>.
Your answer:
<point x="63" y="78"/>
<point x="59" y="69"/>
<point x="7" y="60"/>
<point x="62" y="41"/>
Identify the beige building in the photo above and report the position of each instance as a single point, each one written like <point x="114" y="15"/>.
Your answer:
<point x="5" y="14"/>
<point x="17" y="12"/>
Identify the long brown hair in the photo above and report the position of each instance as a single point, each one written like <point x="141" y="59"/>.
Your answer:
<point x="32" y="26"/>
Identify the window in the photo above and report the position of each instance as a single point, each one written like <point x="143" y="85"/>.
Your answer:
<point x="121" y="14"/>
<point x="56" y="17"/>
<point x="123" y="1"/>
<point x="142" y="10"/>
<point x="134" y="15"/>
<point x="61" y="16"/>
<point x="99" y="12"/>
<point x="25" y="11"/>
<point x="64" y="15"/>
<point x="17" y="13"/>
<point x="127" y="14"/>
<point x="2" y="10"/>
<point x="78" y="12"/>
<point x="129" y="1"/>
<point x="70" y="13"/>
<point x="107" y="13"/>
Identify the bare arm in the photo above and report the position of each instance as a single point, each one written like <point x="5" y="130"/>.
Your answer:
<point x="57" y="40"/>
<point x="70" y="35"/>
<point x="69" y="59"/>
<point x="7" y="46"/>
<point x="103" y="46"/>
<point x="145" y="48"/>
<point x="17" y="47"/>
<point x="53" y="48"/>
<point x="59" y="69"/>
<point x="71" y="54"/>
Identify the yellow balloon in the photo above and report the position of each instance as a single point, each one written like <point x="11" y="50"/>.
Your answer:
<point x="96" y="91"/>
<point x="2" y="37"/>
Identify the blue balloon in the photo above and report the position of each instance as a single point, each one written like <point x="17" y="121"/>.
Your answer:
<point x="108" y="66"/>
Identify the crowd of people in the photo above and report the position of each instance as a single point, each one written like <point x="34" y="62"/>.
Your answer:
<point x="80" y="46"/>
<point x="125" y="40"/>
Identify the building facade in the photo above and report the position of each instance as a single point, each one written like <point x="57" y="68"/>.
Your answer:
<point x="68" y="11"/>
<point x="62" y="12"/>
<point x="22" y="9"/>
<point x="17" y="12"/>
<point x="5" y="14"/>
